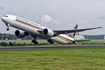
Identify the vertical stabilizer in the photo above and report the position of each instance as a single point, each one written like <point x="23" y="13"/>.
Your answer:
<point x="73" y="34"/>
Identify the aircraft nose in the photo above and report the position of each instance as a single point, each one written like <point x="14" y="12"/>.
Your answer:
<point x="2" y="18"/>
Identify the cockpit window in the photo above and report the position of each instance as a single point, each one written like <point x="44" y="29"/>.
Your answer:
<point x="5" y="16"/>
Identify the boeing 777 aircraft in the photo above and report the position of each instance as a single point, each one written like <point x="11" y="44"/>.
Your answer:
<point x="27" y="27"/>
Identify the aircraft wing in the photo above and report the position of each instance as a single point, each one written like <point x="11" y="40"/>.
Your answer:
<point x="74" y="30"/>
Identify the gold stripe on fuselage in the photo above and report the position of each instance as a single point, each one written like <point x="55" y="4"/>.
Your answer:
<point x="28" y="24"/>
<point x="65" y="39"/>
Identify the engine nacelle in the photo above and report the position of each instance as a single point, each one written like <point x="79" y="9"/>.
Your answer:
<point x="48" y="32"/>
<point x="20" y="34"/>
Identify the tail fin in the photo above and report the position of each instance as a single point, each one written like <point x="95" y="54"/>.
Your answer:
<point x="73" y="34"/>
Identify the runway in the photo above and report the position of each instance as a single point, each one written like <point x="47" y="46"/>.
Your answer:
<point x="48" y="48"/>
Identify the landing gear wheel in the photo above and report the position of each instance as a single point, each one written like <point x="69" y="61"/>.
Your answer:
<point x="34" y="41"/>
<point x="50" y="41"/>
<point x="8" y="29"/>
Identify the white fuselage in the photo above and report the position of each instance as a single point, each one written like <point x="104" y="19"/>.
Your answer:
<point x="34" y="29"/>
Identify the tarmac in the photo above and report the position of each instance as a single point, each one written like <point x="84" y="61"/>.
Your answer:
<point x="47" y="48"/>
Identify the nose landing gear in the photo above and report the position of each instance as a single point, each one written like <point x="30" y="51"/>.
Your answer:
<point x="7" y="27"/>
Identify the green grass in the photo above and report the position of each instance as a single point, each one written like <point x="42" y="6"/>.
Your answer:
<point x="60" y="59"/>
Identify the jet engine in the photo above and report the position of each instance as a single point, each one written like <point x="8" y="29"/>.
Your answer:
<point x="20" y="34"/>
<point x="48" y="32"/>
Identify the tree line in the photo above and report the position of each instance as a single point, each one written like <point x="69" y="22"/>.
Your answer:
<point x="5" y="36"/>
<point x="14" y="44"/>
<point x="20" y="44"/>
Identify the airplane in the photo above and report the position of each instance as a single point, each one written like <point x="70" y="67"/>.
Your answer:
<point x="26" y="27"/>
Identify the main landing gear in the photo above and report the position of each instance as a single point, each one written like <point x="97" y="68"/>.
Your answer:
<point x="50" y="41"/>
<point x="34" y="41"/>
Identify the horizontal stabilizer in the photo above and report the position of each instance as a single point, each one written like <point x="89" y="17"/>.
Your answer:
<point x="81" y="40"/>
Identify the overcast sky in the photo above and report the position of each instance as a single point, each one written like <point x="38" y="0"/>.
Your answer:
<point x="57" y="14"/>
